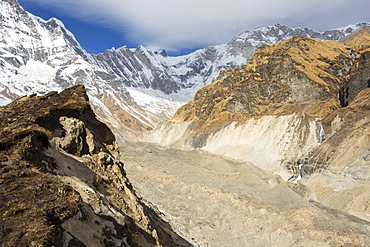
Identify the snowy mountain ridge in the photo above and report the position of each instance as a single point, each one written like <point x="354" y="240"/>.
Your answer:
<point x="197" y="69"/>
<point x="277" y="32"/>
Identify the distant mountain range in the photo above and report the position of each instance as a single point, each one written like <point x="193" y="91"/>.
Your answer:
<point x="132" y="89"/>
<point x="143" y="68"/>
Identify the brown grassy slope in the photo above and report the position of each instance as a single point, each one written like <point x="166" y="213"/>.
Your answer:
<point x="33" y="203"/>
<point x="299" y="74"/>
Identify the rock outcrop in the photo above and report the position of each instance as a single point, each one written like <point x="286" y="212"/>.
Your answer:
<point x="62" y="182"/>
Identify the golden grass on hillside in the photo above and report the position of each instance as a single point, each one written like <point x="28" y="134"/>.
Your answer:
<point x="300" y="73"/>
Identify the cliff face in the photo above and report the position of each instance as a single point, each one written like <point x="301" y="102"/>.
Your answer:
<point x="62" y="182"/>
<point x="341" y="162"/>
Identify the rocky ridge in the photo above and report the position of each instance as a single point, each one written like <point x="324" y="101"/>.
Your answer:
<point x="62" y="182"/>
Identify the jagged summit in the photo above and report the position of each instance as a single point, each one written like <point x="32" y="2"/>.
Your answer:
<point x="202" y="66"/>
<point x="38" y="56"/>
<point x="162" y="52"/>
<point x="277" y="32"/>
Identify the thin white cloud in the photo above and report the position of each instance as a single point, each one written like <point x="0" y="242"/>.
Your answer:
<point x="178" y="24"/>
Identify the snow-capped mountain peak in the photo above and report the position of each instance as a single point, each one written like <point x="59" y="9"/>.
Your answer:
<point x="38" y="56"/>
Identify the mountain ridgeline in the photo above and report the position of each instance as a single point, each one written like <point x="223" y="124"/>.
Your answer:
<point x="38" y="56"/>
<point x="299" y="71"/>
<point x="170" y="74"/>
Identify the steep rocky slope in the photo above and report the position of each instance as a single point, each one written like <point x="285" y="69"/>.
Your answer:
<point x="299" y="109"/>
<point x="62" y="182"/>
<point x="343" y="181"/>
<point x="270" y="109"/>
<point x="298" y="71"/>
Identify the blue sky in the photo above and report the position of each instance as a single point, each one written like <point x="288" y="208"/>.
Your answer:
<point x="182" y="26"/>
<point x="94" y="37"/>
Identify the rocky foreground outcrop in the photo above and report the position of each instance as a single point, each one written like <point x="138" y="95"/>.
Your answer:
<point x="62" y="182"/>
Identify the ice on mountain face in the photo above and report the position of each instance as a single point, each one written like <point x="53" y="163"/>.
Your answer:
<point x="156" y="101"/>
<point x="32" y="37"/>
<point x="34" y="77"/>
